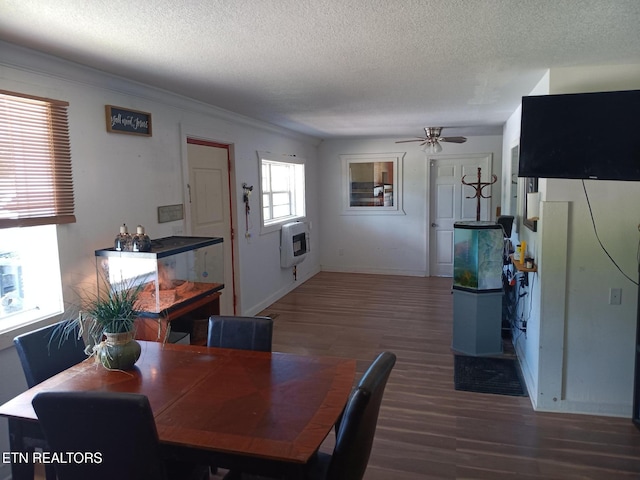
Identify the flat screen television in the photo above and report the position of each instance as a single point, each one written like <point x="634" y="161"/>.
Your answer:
<point x="581" y="135"/>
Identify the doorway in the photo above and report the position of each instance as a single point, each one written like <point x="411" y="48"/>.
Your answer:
<point x="448" y="203"/>
<point x="209" y="205"/>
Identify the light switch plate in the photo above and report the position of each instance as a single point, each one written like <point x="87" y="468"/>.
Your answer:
<point x="615" y="296"/>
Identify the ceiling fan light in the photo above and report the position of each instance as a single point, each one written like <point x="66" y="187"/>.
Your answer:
<point x="432" y="147"/>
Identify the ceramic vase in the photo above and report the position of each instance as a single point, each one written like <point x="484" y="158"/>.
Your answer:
<point x="120" y="351"/>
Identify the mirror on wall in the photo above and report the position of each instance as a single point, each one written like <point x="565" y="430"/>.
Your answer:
<point x="530" y="186"/>
<point x="372" y="183"/>
<point x="513" y="188"/>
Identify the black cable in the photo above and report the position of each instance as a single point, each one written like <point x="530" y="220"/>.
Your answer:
<point x="533" y="280"/>
<point x="584" y="187"/>
<point x="524" y="316"/>
<point x="520" y="306"/>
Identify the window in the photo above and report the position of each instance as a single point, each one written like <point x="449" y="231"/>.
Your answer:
<point x="36" y="193"/>
<point x="282" y="190"/>
<point x="372" y="184"/>
<point x="30" y="287"/>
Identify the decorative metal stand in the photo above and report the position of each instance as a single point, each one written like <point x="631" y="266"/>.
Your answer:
<point x="479" y="186"/>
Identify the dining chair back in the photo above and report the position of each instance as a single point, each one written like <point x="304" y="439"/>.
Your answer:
<point x="357" y="427"/>
<point x="105" y="435"/>
<point x="44" y="353"/>
<point x="242" y="333"/>
<point x="116" y="430"/>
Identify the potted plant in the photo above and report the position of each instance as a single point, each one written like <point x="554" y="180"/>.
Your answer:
<point x="108" y="318"/>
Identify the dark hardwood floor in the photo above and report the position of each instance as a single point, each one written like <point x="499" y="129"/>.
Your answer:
<point x="426" y="429"/>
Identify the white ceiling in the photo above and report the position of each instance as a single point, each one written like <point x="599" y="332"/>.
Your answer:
<point x="332" y="68"/>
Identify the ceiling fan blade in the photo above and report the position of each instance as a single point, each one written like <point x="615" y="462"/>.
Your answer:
<point x="416" y="140"/>
<point x="453" y="139"/>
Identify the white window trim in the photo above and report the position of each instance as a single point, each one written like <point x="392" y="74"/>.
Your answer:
<point x="274" y="225"/>
<point x="396" y="158"/>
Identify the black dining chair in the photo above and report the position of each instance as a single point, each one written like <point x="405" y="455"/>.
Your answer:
<point x="355" y="430"/>
<point x="357" y="427"/>
<point x="242" y="333"/>
<point x="107" y="435"/>
<point x="47" y="351"/>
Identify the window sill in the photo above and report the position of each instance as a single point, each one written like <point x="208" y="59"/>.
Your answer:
<point x="373" y="211"/>
<point x="7" y="335"/>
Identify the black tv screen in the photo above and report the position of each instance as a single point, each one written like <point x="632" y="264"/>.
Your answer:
<point x="581" y="135"/>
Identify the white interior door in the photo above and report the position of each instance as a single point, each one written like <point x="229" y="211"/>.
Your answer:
<point x="210" y="205"/>
<point x="449" y="204"/>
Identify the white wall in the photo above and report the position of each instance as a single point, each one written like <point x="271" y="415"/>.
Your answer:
<point x="578" y="354"/>
<point x="389" y="244"/>
<point x="527" y="345"/>
<point x="599" y="338"/>
<point x="123" y="178"/>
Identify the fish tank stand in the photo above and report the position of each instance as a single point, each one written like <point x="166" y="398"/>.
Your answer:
<point x="477" y="288"/>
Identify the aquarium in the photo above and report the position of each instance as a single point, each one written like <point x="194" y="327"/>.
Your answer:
<point x="176" y="272"/>
<point x="477" y="261"/>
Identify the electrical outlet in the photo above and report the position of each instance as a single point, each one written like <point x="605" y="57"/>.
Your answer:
<point x="615" y="296"/>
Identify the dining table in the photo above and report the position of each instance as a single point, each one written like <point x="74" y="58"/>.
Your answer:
<point x="261" y="412"/>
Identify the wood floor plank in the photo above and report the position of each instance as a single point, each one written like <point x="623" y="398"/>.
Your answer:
<point x="427" y="429"/>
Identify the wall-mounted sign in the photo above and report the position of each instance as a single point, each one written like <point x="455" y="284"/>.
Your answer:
<point x="133" y="122"/>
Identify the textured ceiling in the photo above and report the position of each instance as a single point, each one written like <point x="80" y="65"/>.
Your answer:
<point x="333" y="68"/>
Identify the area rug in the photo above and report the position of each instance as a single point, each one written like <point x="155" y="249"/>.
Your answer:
<point x="499" y="376"/>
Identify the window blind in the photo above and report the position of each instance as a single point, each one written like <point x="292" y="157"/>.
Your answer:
<point x="36" y="183"/>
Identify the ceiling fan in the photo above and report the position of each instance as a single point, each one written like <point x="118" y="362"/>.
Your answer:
<point x="431" y="142"/>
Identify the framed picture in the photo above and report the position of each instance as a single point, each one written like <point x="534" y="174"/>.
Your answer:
<point x="530" y="186"/>
<point x="131" y="122"/>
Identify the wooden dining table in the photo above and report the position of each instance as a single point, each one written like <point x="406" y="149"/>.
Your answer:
<point x="258" y="411"/>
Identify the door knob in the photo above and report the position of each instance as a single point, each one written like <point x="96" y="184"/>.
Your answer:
<point x="434" y="225"/>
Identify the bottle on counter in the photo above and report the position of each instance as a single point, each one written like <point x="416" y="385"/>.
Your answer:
<point x="122" y="242"/>
<point x="141" y="241"/>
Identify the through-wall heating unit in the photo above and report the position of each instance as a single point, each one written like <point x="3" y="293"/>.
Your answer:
<point x="294" y="243"/>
